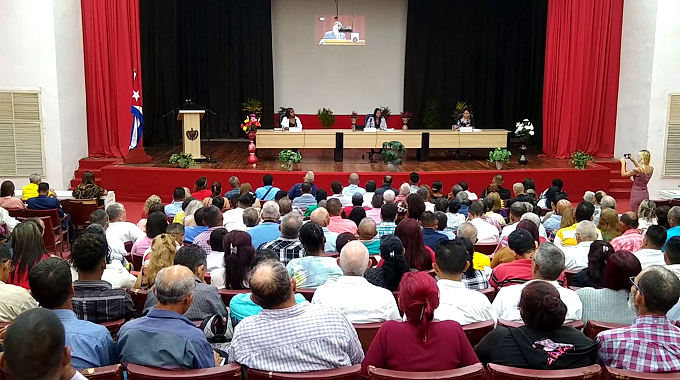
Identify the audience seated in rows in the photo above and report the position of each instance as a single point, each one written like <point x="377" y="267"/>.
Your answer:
<point x="353" y="187"/>
<point x="368" y="236"/>
<point x="486" y="232"/>
<point x="431" y="237"/>
<point x="609" y="225"/>
<point x="173" y="208"/>
<point x="215" y="259"/>
<point x="543" y="342"/>
<point x="356" y="212"/>
<point x="156" y="225"/>
<point x="287" y="245"/>
<point x="296" y="190"/>
<point x="356" y="298"/>
<point x="374" y="211"/>
<point x="609" y="302"/>
<point x="213" y="219"/>
<point x="456" y="301"/>
<point x="119" y="230"/>
<point x="673" y="222"/>
<point x="155" y="204"/>
<point x="207" y="300"/>
<point x="419" y="256"/>
<point x="31" y="190"/>
<point x="519" y="195"/>
<point x="567" y="236"/>
<point x="651" y="343"/>
<point x="337" y="224"/>
<point x="552" y="223"/>
<point x="233" y="219"/>
<point x="306" y="199"/>
<point x="91" y="344"/>
<point x="163" y="250"/>
<point x="314" y="268"/>
<point x="268" y="190"/>
<point x="15" y="299"/>
<point x="523" y="246"/>
<point x="307" y="337"/>
<point x="441" y="225"/>
<point x="387" y="185"/>
<point x="7" y="199"/>
<point x="268" y="229"/>
<point x="45" y="202"/>
<point x="388" y="214"/>
<point x="321" y="217"/>
<point x="420" y="343"/>
<point x="505" y="254"/>
<point x="547" y="265"/>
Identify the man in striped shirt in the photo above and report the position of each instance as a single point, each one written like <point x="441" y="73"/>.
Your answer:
<point x="291" y="337"/>
<point x="388" y="212"/>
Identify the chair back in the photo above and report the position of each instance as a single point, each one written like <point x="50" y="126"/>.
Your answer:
<point x="366" y="333"/>
<point x="53" y="213"/>
<point x="128" y="246"/>
<point x="228" y="294"/>
<point x="569" y="275"/>
<point x="578" y="324"/>
<point x="307" y="293"/>
<point x="137" y="261"/>
<point x="610" y="373"/>
<point x="471" y="372"/>
<point x="595" y="327"/>
<point x="17" y="213"/>
<point x="80" y="210"/>
<point x="476" y="331"/>
<point x="501" y="372"/>
<point x="487" y="249"/>
<point x="346" y="373"/>
<point x="113" y="326"/>
<point x="110" y="372"/>
<point x="207" y="278"/>
<point x="229" y="371"/>
<point x="138" y="298"/>
<point x="50" y="236"/>
<point x="490" y="293"/>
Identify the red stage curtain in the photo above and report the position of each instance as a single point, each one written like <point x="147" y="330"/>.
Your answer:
<point x="111" y="47"/>
<point x="580" y="94"/>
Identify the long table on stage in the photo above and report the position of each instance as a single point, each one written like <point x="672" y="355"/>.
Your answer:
<point x="423" y="140"/>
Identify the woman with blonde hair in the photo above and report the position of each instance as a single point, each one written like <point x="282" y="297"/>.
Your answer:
<point x="404" y="191"/>
<point x="151" y="205"/>
<point x="188" y="220"/>
<point x="646" y="215"/>
<point x="568" y="217"/>
<point x="641" y="175"/>
<point x="609" y="225"/>
<point x="162" y="255"/>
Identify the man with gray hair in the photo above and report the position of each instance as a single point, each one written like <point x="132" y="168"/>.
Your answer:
<point x="547" y="265"/>
<point x="31" y="190"/>
<point x="268" y="229"/>
<point x="120" y="231"/>
<point x="235" y="184"/>
<point x="290" y="337"/>
<point x="608" y="202"/>
<point x="520" y="195"/>
<point x="463" y="197"/>
<point x="296" y="190"/>
<point x="424" y="193"/>
<point x="576" y="256"/>
<point x="353" y="187"/>
<point x="183" y="345"/>
<point x="288" y="245"/>
<point x="359" y="300"/>
<point x="250" y="217"/>
<point x="389" y="196"/>
<point x="673" y="222"/>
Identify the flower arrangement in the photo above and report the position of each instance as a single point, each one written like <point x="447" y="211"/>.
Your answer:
<point x="386" y="112"/>
<point x="251" y="124"/>
<point x="524" y="130"/>
<point x="354" y="115"/>
<point x="580" y="160"/>
<point x="183" y="160"/>
<point x="406" y="115"/>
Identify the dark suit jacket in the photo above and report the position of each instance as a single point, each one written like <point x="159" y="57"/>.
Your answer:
<point x="43" y="202"/>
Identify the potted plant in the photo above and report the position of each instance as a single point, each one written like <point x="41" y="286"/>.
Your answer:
<point x="405" y="117"/>
<point x="580" y="160"/>
<point x="524" y="130"/>
<point x="288" y="158"/>
<point x="282" y="112"/>
<point x="326" y="117"/>
<point x="183" y="160"/>
<point x="252" y="106"/>
<point x="353" y="118"/>
<point x="460" y="108"/>
<point x="386" y="112"/>
<point x="499" y="156"/>
<point x="431" y="115"/>
<point x="391" y="154"/>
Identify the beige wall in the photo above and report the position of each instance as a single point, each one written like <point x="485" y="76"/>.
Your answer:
<point x="343" y="78"/>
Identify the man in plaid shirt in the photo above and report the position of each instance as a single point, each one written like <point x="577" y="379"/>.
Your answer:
<point x="651" y="343"/>
<point x="388" y="213"/>
<point x="632" y="239"/>
<point x="288" y="246"/>
<point x="212" y="218"/>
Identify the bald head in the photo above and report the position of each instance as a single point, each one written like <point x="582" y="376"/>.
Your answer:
<point x="367" y="229"/>
<point x="518" y="188"/>
<point x="174" y="285"/>
<point x="271" y="285"/>
<point x="562" y="205"/>
<point x="630" y="220"/>
<point x="354" y="179"/>
<point x="320" y="216"/>
<point x="354" y="259"/>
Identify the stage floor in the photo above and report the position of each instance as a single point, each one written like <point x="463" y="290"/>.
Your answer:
<point x="233" y="155"/>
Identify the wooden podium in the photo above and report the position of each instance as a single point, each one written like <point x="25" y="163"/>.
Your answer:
<point x="191" y="132"/>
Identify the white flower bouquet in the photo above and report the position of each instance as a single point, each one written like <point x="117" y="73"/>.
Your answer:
<point x="524" y="130"/>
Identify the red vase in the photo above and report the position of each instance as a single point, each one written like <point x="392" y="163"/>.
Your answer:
<point x="252" y="158"/>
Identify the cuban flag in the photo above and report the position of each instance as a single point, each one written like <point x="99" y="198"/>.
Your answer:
<point x="137" y="115"/>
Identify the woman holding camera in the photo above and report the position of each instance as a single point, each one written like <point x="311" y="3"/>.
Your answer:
<point x="641" y="174"/>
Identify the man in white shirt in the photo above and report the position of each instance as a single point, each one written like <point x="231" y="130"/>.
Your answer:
<point x="425" y="194"/>
<point x="653" y="241"/>
<point x="456" y="302"/>
<point x="486" y="232"/>
<point x="548" y="264"/>
<point x="576" y="256"/>
<point x="336" y="188"/>
<point x="233" y="219"/>
<point x="353" y="186"/>
<point x="371" y="186"/>
<point x="413" y="180"/>
<point x="356" y="298"/>
<point x="471" y="196"/>
<point x="120" y="230"/>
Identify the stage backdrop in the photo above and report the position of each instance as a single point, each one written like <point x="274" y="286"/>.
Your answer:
<point x="487" y="53"/>
<point x="216" y="53"/>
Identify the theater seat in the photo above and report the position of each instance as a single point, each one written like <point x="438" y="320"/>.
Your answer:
<point x="229" y="371"/>
<point x="569" y="274"/>
<point x="366" y="333"/>
<point x="501" y="372"/>
<point x="113" y="326"/>
<point x="487" y="249"/>
<point x="346" y="373"/>
<point x="609" y="373"/>
<point x="138" y="298"/>
<point x="490" y="293"/>
<point x="578" y="325"/>
<point x="471" y="372"/>
<point x="595" y="327"/>
<point x="228" y="294"/>
<point x="476" y="331"/>
<point x="110" y="372"/>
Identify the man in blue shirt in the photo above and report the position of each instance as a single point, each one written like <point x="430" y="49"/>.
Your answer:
<point x="176" y="206"/>
<point x="91" y="344"/>
<point x="306" y="199"/>
<point x="353" y="186"/>
<point x="268" y="229"/>
<point x="268" y="191"/>
<point x="235" y="184"/>
<point x="165" y="338"/>
<point x="673" y="222"/>
<point x="191" y="232"/>
<point x="45" y="202"/>
<point x="431" y="236"/>
<point x="296" y="190"/>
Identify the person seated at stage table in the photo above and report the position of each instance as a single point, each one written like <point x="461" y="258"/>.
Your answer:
<point x="88" y="188"/>
<point x="543" y="311"/>
<point x="268" y="190"/>
<point x="290" y="121"/>
<point x="376" y="121"/>
<point x="235" y="184"/>
<point x="201" y="190"/>
<point x="7" y="199"/>
<point x="498" y="181"/>
<point x="296" y="190"/>
<point x="465" y="120"/>
<point x="306" y="199"/>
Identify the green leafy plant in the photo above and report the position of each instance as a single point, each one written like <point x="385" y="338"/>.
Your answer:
<point x="386" y="112"/>
<point x="580" y="160"/>
<point x="326" y="117"/>
<point x="288" y="157"/>
<point x="500" y="154"/>
<point x="392" y="151"/>
<point x="460" y="108"/>
<point x="431" y="115"/>
<point x="252" y="106"/>
<point x="184" y="160"/>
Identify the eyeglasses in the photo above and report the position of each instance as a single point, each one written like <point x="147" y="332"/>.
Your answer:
<point x="632" y="281"/>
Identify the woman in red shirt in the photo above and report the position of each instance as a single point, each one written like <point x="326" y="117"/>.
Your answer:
<point x="29" y="249"/>
<point x="417" y="254"/>
<point x="419" y="344"/>
<point x="201" y="190"/>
